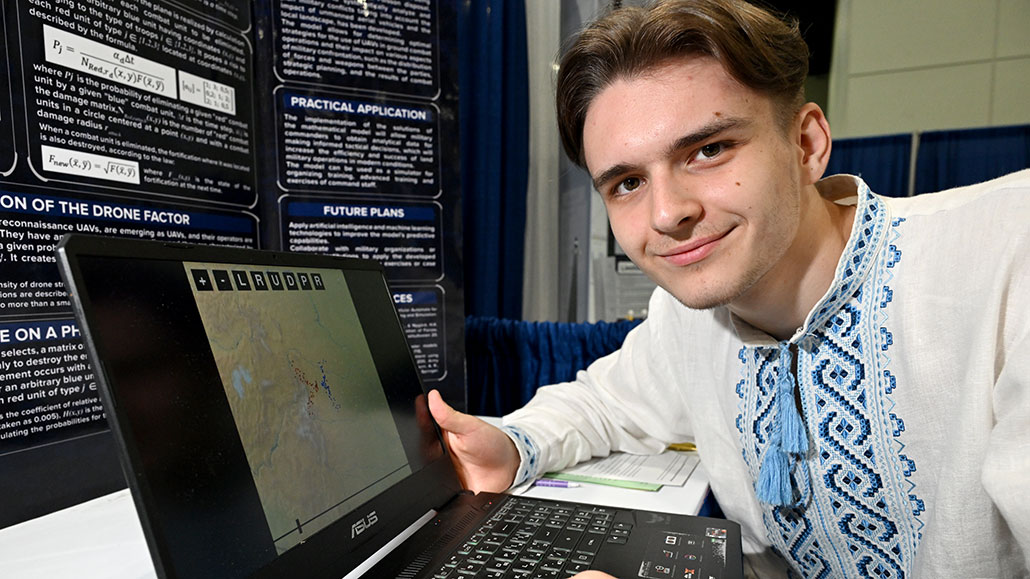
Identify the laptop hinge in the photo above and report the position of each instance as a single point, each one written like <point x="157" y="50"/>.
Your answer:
<point x="385" y="549"/>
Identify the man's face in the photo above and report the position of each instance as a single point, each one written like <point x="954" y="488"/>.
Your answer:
<point x="701" y="184"/>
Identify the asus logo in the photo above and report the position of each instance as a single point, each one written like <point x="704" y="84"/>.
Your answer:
<point x="363" y="524"/>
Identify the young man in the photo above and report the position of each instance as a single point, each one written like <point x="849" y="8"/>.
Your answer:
<point x="853" y="369"/>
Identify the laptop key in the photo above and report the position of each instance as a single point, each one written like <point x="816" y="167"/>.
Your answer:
<point x="589" y="544"/>
<point x="582" y="558"/>
<point x="576" y="567"/>
<point x="567" y="539"/>
<point x="549" y="567"/>
<point x="547" y="534"/>
<point x="504" y="528"/>
<point x="507" y="554"/>
<point x="496" y="564"/>
<point x="478" y="558"/>
<point x="486" y="549"/>
<point x="559" y="553"/>
<point x="523" y="566"/>
<point x="557" y="559"/>
<point x="531" y="557"/>
<point x="468" y="568"/>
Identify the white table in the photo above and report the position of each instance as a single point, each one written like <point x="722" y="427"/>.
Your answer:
<point x="684" y="500"/>
<point x="103" y="539"/>
<point x="98" y="538"/>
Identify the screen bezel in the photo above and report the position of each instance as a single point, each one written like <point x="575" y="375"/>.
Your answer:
<point x="332" y="551"/>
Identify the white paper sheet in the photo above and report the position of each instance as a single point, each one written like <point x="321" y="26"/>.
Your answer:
<point x="667" y="468"/>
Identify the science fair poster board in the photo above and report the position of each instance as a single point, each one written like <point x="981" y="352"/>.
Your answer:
<point x="298" y="125"/>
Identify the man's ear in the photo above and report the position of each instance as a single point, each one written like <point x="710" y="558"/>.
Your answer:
<point x="814" y="141"/>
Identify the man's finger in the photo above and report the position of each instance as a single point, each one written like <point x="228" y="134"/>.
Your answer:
<point x="448" y="418"/>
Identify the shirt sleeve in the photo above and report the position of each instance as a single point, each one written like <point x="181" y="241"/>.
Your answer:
<point x="622" y="402"/>
<point x="529" y="464"/>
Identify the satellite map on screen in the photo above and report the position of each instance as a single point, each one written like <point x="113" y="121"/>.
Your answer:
<point x="304" y="392"/>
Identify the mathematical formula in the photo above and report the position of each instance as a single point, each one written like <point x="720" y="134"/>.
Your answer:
<point x="97" y="59"/>
<point x="89" y="165"/>
<point x="85" y="55"/>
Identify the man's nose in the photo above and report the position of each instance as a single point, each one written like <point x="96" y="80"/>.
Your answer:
<point x="673" y="204"/>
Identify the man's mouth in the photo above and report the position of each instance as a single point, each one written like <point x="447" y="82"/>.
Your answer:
<point x="692" y="251"/>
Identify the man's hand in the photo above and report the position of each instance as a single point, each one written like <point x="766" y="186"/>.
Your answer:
<point x="485" y="458"/>
<point x="592" y="575"/>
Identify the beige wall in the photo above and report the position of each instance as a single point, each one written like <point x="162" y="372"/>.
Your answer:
<point x="903" y="66"/>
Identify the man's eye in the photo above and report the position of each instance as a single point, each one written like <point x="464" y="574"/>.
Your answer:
<point x="627" y="185"/>
<point x="709" y="151"/>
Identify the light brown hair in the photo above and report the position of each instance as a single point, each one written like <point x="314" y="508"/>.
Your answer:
<point x="756" y="48"/>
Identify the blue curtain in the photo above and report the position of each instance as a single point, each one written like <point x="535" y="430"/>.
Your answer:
<point x="507" y="360"/>
<point x="963" y="157"/>
<point x="494" y="110"/>
<point x="883" y="162"/>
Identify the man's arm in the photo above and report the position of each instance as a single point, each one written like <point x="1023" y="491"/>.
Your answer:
<point x="485" y="458"/>
<point x="627" y="401"/>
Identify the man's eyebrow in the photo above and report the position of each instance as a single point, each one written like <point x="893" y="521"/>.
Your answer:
<point x="611" y="173"/>
<point x="707" y="132"/>
<point x="686" y="141"/>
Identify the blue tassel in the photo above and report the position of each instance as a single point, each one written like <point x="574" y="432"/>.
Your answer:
<point x="789" y="440"/>
<point x="774" y="486"/>
<point x="793" y="438"/>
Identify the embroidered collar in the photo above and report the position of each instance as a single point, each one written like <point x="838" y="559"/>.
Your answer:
<point x="867" y="234"/>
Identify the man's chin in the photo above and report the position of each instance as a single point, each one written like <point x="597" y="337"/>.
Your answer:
<point x="703" y="300"/>
<point x="706" y="292"/>
<point x="703" y="304"/>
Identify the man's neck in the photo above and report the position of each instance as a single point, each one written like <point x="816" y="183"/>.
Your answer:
<point x="779" y="303"/>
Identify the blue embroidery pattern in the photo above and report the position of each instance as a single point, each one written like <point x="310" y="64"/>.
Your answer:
<point x="861" y="516"/>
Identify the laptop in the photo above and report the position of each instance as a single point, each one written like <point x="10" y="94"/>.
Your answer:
<point x="271" y="422"/>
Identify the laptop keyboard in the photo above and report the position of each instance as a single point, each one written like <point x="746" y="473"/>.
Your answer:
<point x="534" y="539"/>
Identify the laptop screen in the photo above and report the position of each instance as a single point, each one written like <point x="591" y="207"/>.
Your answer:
<point x="302" y="386"/>
<point x="269" y="411"/>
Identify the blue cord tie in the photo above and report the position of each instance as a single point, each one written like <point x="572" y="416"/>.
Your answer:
<point x="789" y="441"/>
